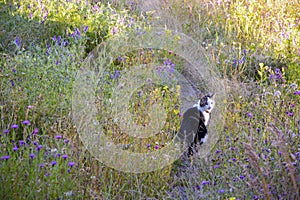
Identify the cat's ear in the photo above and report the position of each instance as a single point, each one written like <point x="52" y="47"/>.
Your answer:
<point x="211" y="95"/>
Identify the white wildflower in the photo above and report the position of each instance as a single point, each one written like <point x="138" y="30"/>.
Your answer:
<point x="293" y="85"/>
<point x="69" y="193"/>
<point x="53" y="150"/>
<point x="277" y="94"/>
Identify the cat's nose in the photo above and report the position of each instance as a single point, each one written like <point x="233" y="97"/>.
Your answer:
<point x="208" y="108"/>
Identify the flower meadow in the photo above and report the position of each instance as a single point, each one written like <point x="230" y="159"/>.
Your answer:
<point x="255" y="46"/>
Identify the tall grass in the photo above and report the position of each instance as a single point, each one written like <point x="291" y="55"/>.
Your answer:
<point x="255" y="45"/>
<point x="238" y="34"/>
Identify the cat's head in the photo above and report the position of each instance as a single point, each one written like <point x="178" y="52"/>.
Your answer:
<point x="206" y="103"/>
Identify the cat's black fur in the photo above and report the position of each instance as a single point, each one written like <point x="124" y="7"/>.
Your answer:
<point x="193" y="130"/>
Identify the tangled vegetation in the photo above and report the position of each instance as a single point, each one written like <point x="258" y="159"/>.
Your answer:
<point x="255" y="45"/>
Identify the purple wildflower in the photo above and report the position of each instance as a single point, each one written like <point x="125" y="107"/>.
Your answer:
<point x="250" y="115"/>
<point x="65" y="43"/>
<point x="278" y="76"/>
<point x="42" y="165"/>
<point x="53" y="163"/>
<point x="234" y="63"/>
<point x="292" y="105"/>
<point x="46" y="14"/>
<point x="58" y="137"/>
<point x="39" y="147"/>
<point x="279" y="153"/>
<point x="66" y="141"/>
<point x="85" y="29"/>
<point x="5" y="157"/>
<point x="35" y="131"/>
<point x="12" y="83"/>
<point x="114" y="30"/>
<point x="156" y="146"/>
<point x="18" y="42"/>
<point x="48" y="49"/>
<point x="6" y="131"/>
<point x="131" y="22"/>
<point x="14" y="126"/>
<point x="65" y="156"/>
<point x="21" y="142"/>
<point x="139" y="93"/>
<point x="205" y="183"/>
<point x="297" y="92"/>
<point x="218" y="151"/>
<point x="116" y="74"/>
<point x="32" y="155"/>
<point x="15" y="148"/>
<point x="71" y="164"/>
<point x="290" y="114"/>
<point x="76" y="33"/>
<point x="172" y="68"/>
<point x="30" y="107"/>
<point x="216" y="166"/>
<point x="242" y="60"/>
<point x="221" y="191"/>
<point x="26" y="122"/>
<point x="271" y="77"/>
<point x="234" y="159"/>
<point x="167" y="62"/>
<point x="242" y="177"/>
<point x="58" y="39"/>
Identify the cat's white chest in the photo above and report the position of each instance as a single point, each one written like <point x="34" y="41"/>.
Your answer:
<point x="206" y="118"/>
<point x="205" y="114"/>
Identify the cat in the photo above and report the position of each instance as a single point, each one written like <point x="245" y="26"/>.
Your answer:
<point x="195" y="120"/>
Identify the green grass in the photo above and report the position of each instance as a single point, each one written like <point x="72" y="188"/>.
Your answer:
<point x="255" y="46"/>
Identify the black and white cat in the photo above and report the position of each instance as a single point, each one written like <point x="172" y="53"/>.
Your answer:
<point x="195" y="120"/>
